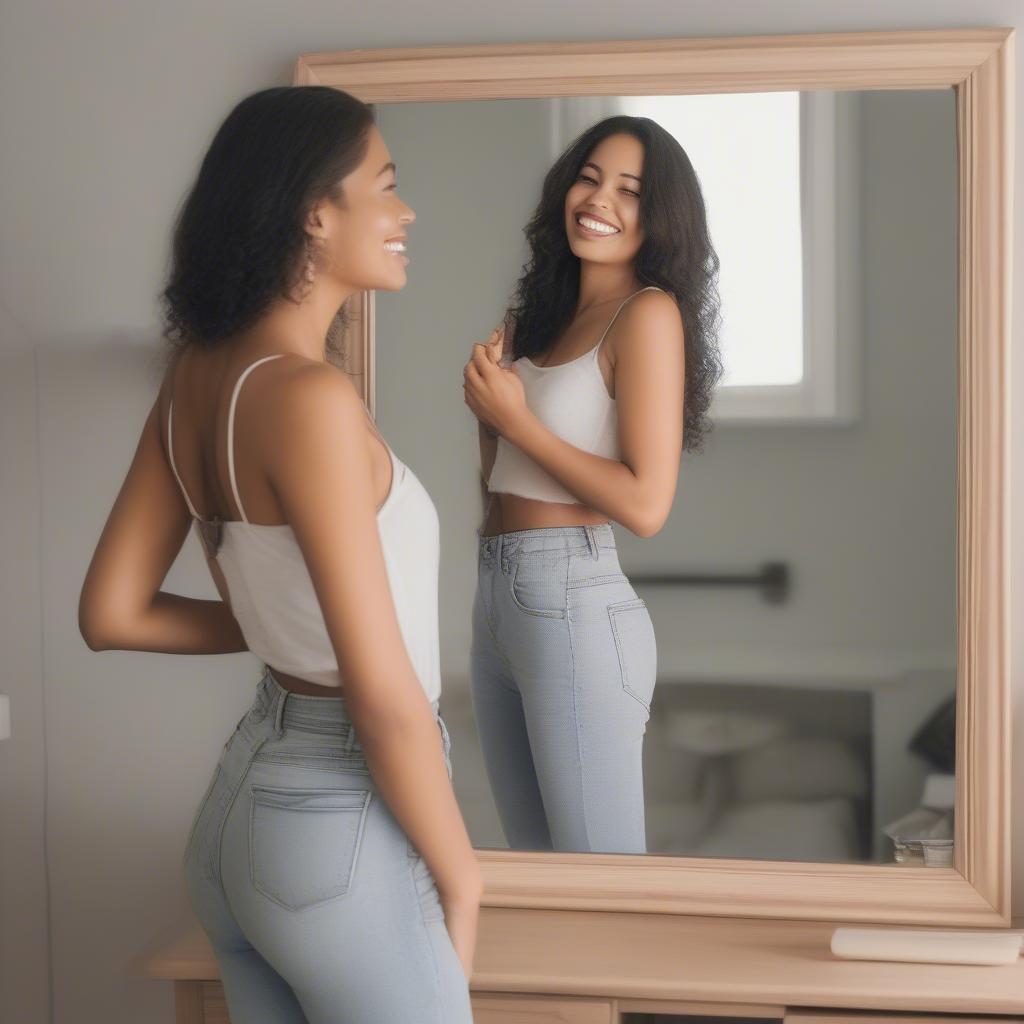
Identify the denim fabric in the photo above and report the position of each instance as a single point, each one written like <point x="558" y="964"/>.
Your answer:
<point x="319" y="908"/>
<point x="562" y="671"/>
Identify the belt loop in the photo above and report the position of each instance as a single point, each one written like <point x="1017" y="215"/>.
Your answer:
<point x="350" y="739"/>
<point x="499" y="551"/>
<point x="279" y="717"/>
<point x="592" y="543"/>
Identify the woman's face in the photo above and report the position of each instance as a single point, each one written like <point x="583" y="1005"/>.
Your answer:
<point x="602" y="207"/>
<point x="366" y="232"/>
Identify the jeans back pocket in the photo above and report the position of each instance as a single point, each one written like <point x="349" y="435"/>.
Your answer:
<point x="304" y="843"/>
<point x="635" y="644"/>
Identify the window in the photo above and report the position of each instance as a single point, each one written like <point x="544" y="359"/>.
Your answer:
<point x="778" y="175"/>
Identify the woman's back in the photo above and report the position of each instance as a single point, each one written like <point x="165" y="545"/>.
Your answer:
<point x="202" y="383"/>
<point x="218" y="425"/>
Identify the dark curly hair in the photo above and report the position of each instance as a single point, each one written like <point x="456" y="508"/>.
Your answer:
<point x="676" y="255"/>
<point x="239" y="240"/>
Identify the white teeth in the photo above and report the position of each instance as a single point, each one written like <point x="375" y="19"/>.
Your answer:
<point x="395" y="246"/>
<point x="596" y="225"/>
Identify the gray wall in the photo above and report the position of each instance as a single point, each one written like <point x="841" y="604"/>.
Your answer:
<point x="105" y="111"/>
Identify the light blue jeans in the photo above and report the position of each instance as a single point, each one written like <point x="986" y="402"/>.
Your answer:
<point x="562" y="671"/>
<point x="319" y="908"/>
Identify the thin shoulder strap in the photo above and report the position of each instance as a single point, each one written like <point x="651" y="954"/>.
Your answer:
<point x="170" y="455"/>
<point x="231" y="428"/>
<point x="619" y="310"/>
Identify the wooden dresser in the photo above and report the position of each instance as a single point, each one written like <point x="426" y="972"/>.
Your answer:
<point x="595" y="967"/>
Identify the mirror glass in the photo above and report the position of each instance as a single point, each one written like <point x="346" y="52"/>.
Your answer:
<point x="803" y="589"/>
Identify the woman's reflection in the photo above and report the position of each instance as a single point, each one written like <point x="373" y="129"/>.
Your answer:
<point x="574" y="434"/>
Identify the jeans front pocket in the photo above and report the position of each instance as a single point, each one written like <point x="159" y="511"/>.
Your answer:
<point x="304" y="843"/>
<point x="636" y="648"/>
<point x="539" y="583"/>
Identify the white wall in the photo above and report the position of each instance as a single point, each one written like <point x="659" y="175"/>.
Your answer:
<point x="105" y="110"/>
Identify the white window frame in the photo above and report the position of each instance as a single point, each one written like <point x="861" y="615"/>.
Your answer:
<point x="829" y="392"/>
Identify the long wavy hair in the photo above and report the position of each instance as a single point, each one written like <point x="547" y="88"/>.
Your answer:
<point x="676" y="255"/>
<point x="239" y="240"/>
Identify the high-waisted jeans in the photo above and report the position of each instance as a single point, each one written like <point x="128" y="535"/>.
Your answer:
<point x="562" y="672"/>
<point x="319" y="908"/>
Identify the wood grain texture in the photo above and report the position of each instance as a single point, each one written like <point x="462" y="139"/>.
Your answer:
<point x="985" y="143"/>
<point x="767" y="967"/>
<point x="499" y="1008"/>
<point x="799" y="1016"/>
<point x="215" y="1006"/>
<point x="188" y="1002"/>
<point x="839" y="60"/>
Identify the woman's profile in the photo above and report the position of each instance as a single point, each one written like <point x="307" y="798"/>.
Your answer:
<point x="601" y="373"/>
<point x="328" y="861"/>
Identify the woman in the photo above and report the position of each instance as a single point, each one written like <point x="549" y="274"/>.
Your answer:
<point x="574" y="434"/>
<point x="328" y="862"/>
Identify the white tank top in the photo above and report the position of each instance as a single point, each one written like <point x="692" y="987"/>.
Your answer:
<point x="572" y="401"/>
<point x="272" y="594"/>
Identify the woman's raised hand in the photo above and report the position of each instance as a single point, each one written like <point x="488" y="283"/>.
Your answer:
<point x="493" y="392"/>
<point x="496" y="344"/>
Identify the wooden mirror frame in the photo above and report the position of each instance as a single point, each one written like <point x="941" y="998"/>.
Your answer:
<point x="978" y="65"/>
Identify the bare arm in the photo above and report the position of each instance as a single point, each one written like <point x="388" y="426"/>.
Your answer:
<point x="488" y="437"/>
<point x="649" y="363"/>
<point x="121" y="606"/>
<point x="320" y="468"/>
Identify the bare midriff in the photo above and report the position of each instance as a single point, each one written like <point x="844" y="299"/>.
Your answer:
<point x="296" y="685"/>
<point x="510" y="512"/>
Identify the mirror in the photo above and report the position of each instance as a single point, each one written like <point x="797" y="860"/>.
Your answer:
<point x="803" y="589"/>
<point x="974" y="69"/>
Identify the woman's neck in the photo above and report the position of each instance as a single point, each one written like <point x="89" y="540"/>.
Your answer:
<point x="603" y="282"/>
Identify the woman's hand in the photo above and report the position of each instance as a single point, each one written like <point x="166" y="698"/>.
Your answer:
<point x="460" y="918"/>
<point x="493" y="393"/>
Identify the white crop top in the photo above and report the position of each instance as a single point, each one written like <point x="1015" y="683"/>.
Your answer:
<point x="572" y="401"/>
<point x="272" y="594"/>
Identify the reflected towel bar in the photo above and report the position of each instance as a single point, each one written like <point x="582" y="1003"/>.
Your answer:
<point x="772" y="579"/>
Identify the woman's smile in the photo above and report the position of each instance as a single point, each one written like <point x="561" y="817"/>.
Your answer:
<point x="594" y="227"/>
<point x="397" y="247"/>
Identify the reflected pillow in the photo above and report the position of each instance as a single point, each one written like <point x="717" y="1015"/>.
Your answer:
<point x="723" y="732"/>
<point x="814" y="830"/>
<point x="799" y="768"/>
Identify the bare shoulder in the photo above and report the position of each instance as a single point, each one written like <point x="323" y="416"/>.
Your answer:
<point x="654" y="308"/>
<point x="307" y="395"/>
<point x="307" y="386"/>
<point x="649" y="320"/>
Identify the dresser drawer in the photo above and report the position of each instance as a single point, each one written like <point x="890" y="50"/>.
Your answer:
<point x="510" y="1008"/>
<point x="200" y="1002"/>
